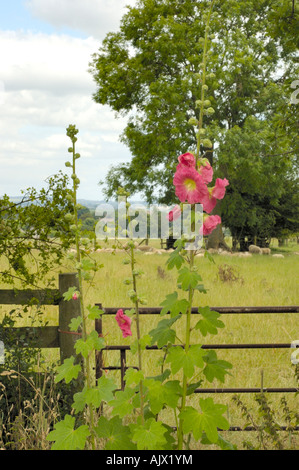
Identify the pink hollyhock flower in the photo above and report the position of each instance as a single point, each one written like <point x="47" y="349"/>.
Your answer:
<point x="75" y="296"/>
<point x="124" y="322"/>
<point x="189" y="185"/>
<point x="174" y="213"/>
<point x="187" y="159"/>
<point x="219" y="189"/>
<point x="206" y="172"/>
<point x="215" y="193"/>
<point x="209" y="224"/>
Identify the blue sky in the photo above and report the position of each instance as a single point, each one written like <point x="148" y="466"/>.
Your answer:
<point x="45" y="50"/>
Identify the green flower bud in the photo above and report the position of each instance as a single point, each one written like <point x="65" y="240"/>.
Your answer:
<point x="210" y="111"/>
<point x="77" y="155"/>
<point x="207" y="143"/>
<point x="207" y="103"/>
<point x="68" y="164"/>
<point x="68" y="216"/>
<point x="193" y="121"/>
<point x="205" y="87"/>
<point x="70" y="149"/>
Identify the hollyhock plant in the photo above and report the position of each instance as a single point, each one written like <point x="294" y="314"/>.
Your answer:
<point x="189" y="185"/>
<point x="124" y="322"/>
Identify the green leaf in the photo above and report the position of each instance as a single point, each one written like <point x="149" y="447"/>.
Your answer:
<point x="179" y="359"/>
<point x="94" y="312"/>
<point x="175" y="260"/>
<point x="188" y="278"/>
<point x="93" y="342"/>
<point x="174" y="306"/>
<point x="122" y="402"/>
<point x="149" y="436"/>
<point x="133" y="376"/>
<point x="95" y="395"/>
<point x="215" y="368"/>
<point x="159" y="395"/>
<point x="117" y="436"/>
<point x="65" y="437"/>
<point x="68" y="371"/>
<point x="162" y="335"/>
<point x="75" y="323"/>
<point x="208" y="420"/>
<point x="221" y="442"/>
<point x="209" y="323"/>
<point x="70" y="292"/>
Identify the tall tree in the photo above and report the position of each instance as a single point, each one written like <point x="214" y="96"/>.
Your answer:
<point x="150" y="71"/>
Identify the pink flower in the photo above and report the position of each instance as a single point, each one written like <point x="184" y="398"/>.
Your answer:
<point x="219" y="189"/>
<point x="206" y="172"/>
<point x="209" y="224"/>
<point x="124" y="322"/>
<point x="215" y="193"/>
<point x="75" y="296"/>
<point x="189" y="185"/>
<point x="187" y="159"/>
<point x="174" y="213"/>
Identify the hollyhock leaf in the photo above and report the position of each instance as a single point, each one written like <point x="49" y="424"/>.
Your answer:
<point x="122" y="402"/>
<point x="162" y="335"/>
<point x="75" y="323"/>
<point x="66" y="437"/>
<point x="174" y="306"/>
<point x="160" y="395"/>
<point x="94" y="312"/>
<point x="175" y="260"/>
<point x="68" y="370"/>
<point x="149" y="436"/>
<point x="208" y="420"/>
<point x="117" y="436"/>
<point x="215" y="368"/>
<point x="209" y="321"/>
<point x="68" y="295"/>
<point x="133" y="376"/>
<point x="188" y="278"/>
<point x="179" y="359"/>
<point x="92" y="342"/>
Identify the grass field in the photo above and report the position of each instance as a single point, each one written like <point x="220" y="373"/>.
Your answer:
<point x="259" y="281"/>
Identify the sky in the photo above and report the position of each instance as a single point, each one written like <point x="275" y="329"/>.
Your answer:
<point x="45" y="50"/>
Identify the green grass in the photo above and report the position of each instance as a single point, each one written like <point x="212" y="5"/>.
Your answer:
<point x="261" y="281"/>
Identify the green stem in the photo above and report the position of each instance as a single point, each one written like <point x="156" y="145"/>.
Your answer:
<point x="87" y="366"/>
<point x="204" y="70"/>
<point x="138" y="330"/>
<point x="187" y="345"/>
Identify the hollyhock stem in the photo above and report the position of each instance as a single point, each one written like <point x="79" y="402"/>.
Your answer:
<point x="204" y="66"/>
<point x="187" y="345"/>
<point x="139" y="352"/>
<point x="87" y="367"/>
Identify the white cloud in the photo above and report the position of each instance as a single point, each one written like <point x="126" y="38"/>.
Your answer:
<point x="93" y="17"/>
<point x="45" y="86"/>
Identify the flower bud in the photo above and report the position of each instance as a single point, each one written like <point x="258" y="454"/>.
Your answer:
<point x="193" y="121"/>
<point x="68" y="164"/>
<point x="207" y="143"/>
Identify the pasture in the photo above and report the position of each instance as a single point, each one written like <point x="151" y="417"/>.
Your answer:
<point x="257" y="280"/>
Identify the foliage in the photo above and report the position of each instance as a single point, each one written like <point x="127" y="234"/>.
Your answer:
<point x="35" y="232"/>
<point x="149" y="71"/>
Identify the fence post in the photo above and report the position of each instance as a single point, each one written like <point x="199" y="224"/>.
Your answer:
<point x="67" y="310"/>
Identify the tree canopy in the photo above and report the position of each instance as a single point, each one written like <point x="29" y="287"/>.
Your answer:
<point x="150" y="71"/>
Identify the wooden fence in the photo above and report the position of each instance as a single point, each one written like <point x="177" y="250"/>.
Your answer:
<point x="48" y="336"/>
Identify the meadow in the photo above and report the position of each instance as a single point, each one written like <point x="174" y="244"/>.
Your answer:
<point x="258" y="280"/>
